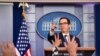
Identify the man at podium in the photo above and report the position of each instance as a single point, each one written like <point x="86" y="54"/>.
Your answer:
<point x="61" y="39"/>
<point x="64" y="25"/>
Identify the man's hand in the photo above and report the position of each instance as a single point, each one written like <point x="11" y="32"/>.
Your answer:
<point x="53" y="26"/>
<point x="56" y="41"/>
<point x="72" y="47"/>
<point x="8" y="49"/>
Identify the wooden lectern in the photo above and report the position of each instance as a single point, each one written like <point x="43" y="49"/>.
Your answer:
<point x="81" y="51"/>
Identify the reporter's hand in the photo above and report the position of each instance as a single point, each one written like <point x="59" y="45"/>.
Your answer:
<point x="72" y="47"/>
<point x="56" y="41"/>
<point x="8" y="49"/>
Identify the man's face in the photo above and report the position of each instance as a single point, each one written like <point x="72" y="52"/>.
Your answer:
<point x="64" y="26"/>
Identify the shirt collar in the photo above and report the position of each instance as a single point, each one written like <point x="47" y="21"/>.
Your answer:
<point x="65" y="34"/>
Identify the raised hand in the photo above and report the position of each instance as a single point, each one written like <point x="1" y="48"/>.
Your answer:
<point x="56" y="41"/>
<point x="52" y="26"/>
<point x="71" y="47"/>
<point x="8" y="49"/>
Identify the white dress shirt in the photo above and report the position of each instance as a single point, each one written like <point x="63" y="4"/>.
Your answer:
<point x="67" y="36"/>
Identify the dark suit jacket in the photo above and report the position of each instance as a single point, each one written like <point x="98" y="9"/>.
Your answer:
<point x="62" y="39"/>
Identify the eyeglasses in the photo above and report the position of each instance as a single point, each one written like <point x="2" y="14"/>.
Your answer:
<point x="63" y="23"/>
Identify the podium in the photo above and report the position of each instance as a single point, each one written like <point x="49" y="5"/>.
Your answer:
<point x="81" y="51"/>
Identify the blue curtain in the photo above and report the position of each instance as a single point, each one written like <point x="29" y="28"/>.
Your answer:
<point x="97" y="28"/>
<point x="17" y="19"/>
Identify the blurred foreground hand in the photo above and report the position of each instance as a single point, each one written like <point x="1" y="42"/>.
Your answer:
<point x="8" y="49"/>
<point x="72" y="47"/>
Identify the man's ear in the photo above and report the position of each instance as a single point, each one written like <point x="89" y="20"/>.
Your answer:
<point x="69" y="25"/>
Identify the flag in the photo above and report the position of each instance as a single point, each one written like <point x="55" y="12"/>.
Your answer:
<point x="23" y="47"/>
